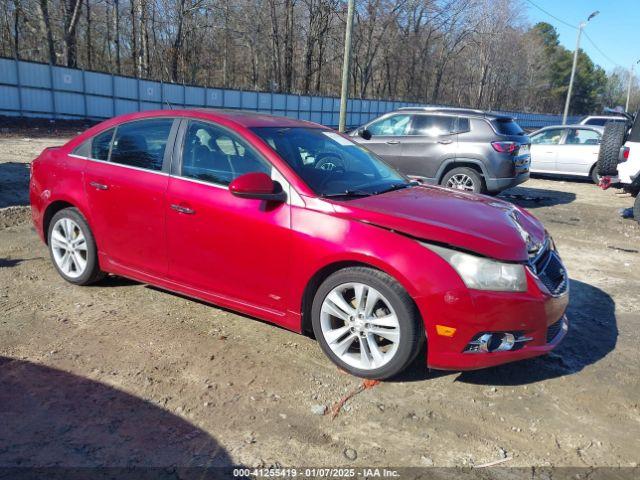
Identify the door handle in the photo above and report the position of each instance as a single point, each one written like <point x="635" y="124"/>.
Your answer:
<point x="99" y="186"/>
<point x="182" y="209"/>
<point x="392" y="142"/>
<point x="445" y="141"/>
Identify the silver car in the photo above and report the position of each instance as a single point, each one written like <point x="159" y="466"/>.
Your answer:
<point x="566" y="150"/>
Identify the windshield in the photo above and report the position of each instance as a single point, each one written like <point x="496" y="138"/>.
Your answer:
<point x="331" y="164"/>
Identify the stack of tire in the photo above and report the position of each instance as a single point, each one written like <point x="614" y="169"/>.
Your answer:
<point x="614" y="137"/>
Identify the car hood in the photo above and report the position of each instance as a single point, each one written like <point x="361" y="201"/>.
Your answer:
<point x="476" y="223"/>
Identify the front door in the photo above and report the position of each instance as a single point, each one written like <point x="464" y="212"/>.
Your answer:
<point x="387" y="136"/>
<point x="227" y="246"/>
<point x="544" y="150"/>
<point x="126" y="184"/>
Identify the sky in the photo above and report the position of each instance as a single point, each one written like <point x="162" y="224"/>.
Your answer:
<point x="615" y="30"/>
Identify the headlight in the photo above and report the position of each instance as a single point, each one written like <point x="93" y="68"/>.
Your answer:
<point x="483" y="273"/>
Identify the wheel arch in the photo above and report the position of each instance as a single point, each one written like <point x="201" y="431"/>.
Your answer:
<point x="323" y="273"/>
<point x="53" y="208"/>
<point x="449" y="165"/>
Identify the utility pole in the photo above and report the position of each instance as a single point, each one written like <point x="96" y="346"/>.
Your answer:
<point x="346" y="67"/>
<point x="626" y="108"/>
<point x="573" y="68"/>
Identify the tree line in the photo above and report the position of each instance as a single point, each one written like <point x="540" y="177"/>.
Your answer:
<point x="476" y="53"/>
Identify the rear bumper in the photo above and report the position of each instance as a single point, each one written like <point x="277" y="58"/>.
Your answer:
<point x="499" y="184"/>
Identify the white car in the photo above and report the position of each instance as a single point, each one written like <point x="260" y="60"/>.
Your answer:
<point x="600" y="120"/>
<point x="566" y="150"/>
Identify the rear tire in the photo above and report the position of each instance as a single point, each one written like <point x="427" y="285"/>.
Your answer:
<point x="464" y="178"/>
<point x="612" y="139"/>
<point x="73" y="248"/>
<point x="386" y="323"/>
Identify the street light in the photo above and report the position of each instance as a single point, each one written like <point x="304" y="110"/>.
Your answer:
<point x="573" y="68"/>
<point x="346" y="67"/>
<point x="626" y="108"/>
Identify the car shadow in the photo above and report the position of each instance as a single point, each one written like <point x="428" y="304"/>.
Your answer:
<point x="593" y="333"/>
<point x="52" y="418"/>
<point x="536" y="197"/>
<point x="14" y="184"/>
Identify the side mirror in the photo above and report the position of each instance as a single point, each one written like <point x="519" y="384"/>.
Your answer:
<point x="364" y="133"/>
<point x="259" y="186"/>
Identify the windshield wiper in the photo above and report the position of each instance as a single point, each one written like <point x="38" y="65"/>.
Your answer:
<point x="348" y="193"/>
<point x="397" y="186"/>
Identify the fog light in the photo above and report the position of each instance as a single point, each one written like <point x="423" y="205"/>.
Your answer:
<point x="496" y="342"/>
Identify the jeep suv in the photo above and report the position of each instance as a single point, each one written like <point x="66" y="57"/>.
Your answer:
<point x="458" y="148"/>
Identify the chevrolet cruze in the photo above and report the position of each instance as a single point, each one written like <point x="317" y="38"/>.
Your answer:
<point x="293" y="223"/>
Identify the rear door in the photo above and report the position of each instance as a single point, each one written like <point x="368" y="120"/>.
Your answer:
<point x="387" y="135"/>
<point x="126" y="181"/>
<point x="432" y="139"/>
<point x="578" y="152"/>
<point x="545" y="146"/>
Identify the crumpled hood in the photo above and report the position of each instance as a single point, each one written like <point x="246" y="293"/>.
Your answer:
<point x="476" y="223"/>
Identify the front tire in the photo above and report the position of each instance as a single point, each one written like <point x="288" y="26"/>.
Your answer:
<point x="366" y="323"/>
<point x="464" y="178"/>
<point x="595" y="178"/>
<point x="73" y="248"/>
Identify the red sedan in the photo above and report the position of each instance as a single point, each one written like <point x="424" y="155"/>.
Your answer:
<point x="295" y="224"/>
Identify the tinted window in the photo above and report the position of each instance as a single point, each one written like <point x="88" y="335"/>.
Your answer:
<point x="463" y="125"/>
<point x="548" y="137"/>
<point x="596" y="121"/>
<point x="432" y="125"/>
<point x="393" y="125"/>
<point x="211" y="154"/>
<point x="582" y="136"/>
<point x="506" y="126"/>
<point x="142" y="143"/>
<point x="330" y="163"/>
<point x="100" y="145"/>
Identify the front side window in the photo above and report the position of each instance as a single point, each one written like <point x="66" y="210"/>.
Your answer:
<point x="211" y="154"/>
<point x="332" y="165"/>
<point x="394" y="125"/>
<point x="582" y="136"/>
<point x="548" y="137"/>
<point x="141" y="143"/>
<point x="432" y="125"/>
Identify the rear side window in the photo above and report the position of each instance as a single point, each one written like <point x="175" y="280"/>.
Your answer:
<point x="506" y="126"/>
<point x="582" y="136"/>
<point x="100" y="145"/>
<point x="141" y="143"/>
<point x="432" y="125"/>
<point x="548" y="137"/>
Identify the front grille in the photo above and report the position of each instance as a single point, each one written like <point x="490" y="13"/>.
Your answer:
<point x="550" y="270"/>
<point x="553" y="330"/>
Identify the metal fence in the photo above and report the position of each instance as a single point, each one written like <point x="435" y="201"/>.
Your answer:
<point x="32" y="89"/>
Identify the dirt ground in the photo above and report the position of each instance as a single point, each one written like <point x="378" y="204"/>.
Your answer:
<point x="124" y="374"/>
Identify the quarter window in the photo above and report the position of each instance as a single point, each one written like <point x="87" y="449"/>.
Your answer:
<point x="101" y="144"/>
<point x="142" y="143"/>
<point x="433" y="125"/>
<point x="393" y="125"/>
<point x="212" y="154"/>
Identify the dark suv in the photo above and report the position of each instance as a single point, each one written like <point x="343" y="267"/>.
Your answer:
<point x="455" y="147"/>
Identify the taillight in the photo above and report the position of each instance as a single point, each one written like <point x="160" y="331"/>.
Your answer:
<point x="625" y="154"/>
<point x="505" y="147"/>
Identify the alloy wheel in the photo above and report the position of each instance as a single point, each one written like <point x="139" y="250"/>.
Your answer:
<point x="69" y="247"/>
<point x="360" y="326"/>
<point x="461" y="181"/>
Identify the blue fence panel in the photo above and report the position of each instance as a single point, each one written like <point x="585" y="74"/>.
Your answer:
<point x="33" y="89"/>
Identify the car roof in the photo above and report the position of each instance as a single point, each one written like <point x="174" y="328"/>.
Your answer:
<point x="471" y="112"/>
<point x="597" y="128"/>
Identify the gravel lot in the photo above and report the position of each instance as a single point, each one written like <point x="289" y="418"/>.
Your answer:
<point x="124" y="374"/>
